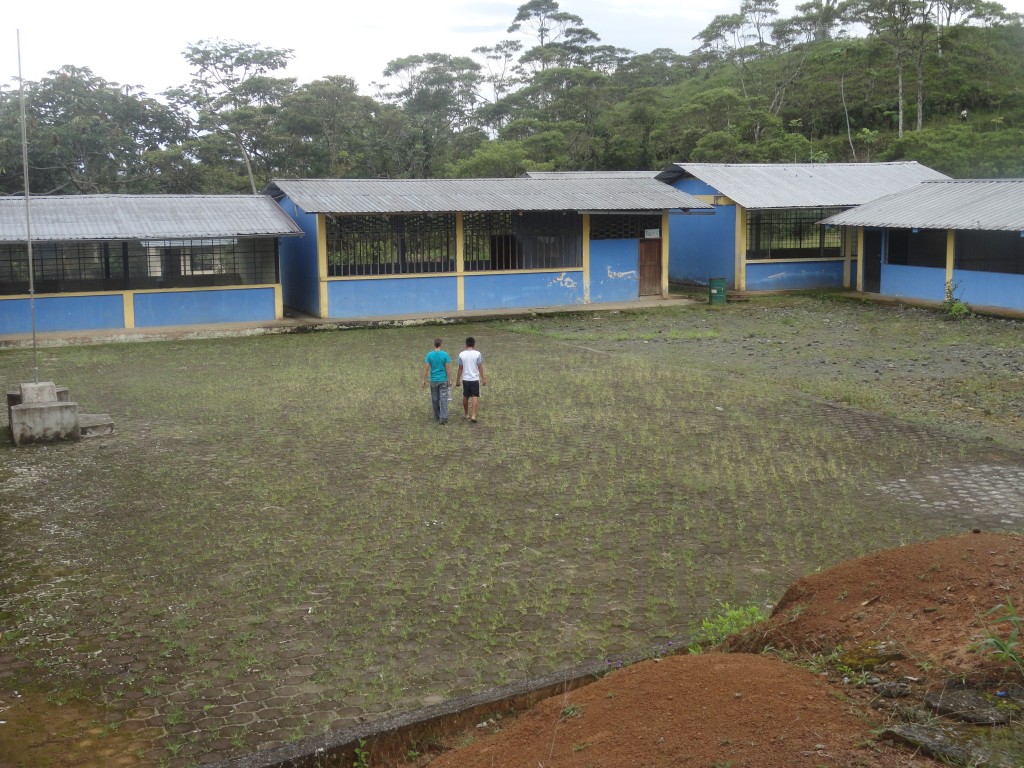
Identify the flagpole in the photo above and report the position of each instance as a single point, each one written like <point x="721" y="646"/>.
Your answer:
<point x="28" y="215"/>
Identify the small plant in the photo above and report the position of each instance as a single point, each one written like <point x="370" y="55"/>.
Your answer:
<point x="1009" y="649"/>
<point x="571" y="710"/>
<point x="362" y="756"/>
<point x="714" y="629"/>
<point x="952" y="307"/>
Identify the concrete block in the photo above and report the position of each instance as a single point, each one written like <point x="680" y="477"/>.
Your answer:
<point x="40" y="392"/>
<point x="39" y="422"/>
<point x="95" y="425"/>
<point x="14" y="398"/>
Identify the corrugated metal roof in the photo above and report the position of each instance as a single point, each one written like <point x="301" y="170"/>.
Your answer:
<point x="591" y="174"/>
<point x="989" y="204"/>
<point x="573" y="193"/>
<point x="143" y="217"/>
<point x="804" y="185"/>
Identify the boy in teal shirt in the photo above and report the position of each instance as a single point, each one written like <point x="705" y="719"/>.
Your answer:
<point x="437" y="365"/>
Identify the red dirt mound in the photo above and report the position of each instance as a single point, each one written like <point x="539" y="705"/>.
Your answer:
<point x="931" y="600"/>
<point x="756" y="711"/>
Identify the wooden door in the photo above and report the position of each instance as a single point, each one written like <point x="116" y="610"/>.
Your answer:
<point x="650" y="267"/>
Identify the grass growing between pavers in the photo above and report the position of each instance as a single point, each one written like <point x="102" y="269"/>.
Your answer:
<point x="279" y="540"/>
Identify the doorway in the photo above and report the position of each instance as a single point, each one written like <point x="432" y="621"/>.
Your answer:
<point x="871" y="276"/>
<point x="650" y="267"/>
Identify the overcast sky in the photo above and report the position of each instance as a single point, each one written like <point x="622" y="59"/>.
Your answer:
<point x="140" y="43"/>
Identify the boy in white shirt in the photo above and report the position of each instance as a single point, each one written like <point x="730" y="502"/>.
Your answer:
<point x="471" y="376"/>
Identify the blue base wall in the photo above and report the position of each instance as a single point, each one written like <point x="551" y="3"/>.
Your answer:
<point x="989" y="289"/>
<point x="791" y="276"/>
<point x="62" y="313"/>
<point x="240" y="305"/>
<point x="300" y="280"/>
<point x="532" y="289"/>
<point x="913" y="282"/>
<point x="391" y="296"/>
<point x="614" y="270"/>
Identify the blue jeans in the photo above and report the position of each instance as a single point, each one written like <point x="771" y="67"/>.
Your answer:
<point x="439" y="399"/>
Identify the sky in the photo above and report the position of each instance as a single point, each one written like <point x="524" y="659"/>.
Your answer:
<point x="139" y="43"/>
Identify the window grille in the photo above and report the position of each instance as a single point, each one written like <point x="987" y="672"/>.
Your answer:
<point x="792" y="234"/>
<point x="925" y="248"/>
<point x="390" y="244"/>
<point x="120" y="265"/>
<point x="527" y="240"/>
<point x="1001" y="252"/>
<point x="490" y="243"/>
<point x="622" y="226"/>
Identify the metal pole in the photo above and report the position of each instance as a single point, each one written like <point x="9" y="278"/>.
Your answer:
<point x="28" y="215"/>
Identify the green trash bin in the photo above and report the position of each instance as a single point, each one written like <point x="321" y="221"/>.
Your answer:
<point x="716" y="290"/>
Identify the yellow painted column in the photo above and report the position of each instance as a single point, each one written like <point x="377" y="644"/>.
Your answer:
<point x="741" y="248"/>
<point x="860" y="258"/>
<point x="460" y="260"/>
<point x="664" y="254"/>
<point x="950" y="258"/>
<point x="847" y="254"/>
<point x="128" y="297"/>
<point x="321" y="253"/>
<point x="586" y="258"/>
<point x="278" y="302"/>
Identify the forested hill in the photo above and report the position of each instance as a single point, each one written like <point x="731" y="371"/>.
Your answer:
<point x="844" y="80"/>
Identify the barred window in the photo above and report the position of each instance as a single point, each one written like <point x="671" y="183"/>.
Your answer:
<point x="1001" y="252"/>
<point x="924" y="248"/>
<point x="490" y="243"/>
<point x="119" y="265"/>
<point x="792" y="234"/>
<point x="623" y="226"/>
<point x="527" y="240"/>
<point x="390" y="244"/>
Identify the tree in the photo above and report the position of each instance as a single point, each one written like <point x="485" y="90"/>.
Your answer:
<point x="562" y="40"/>
<point x="494" y="160"/>
<point x="892" y="22"/>
<point x="86" y="135"/>
<point x="439" y="94"/>
<point x="821" y="18"/>
<point x="328" y="130"/>
<point x="232" y="94"/>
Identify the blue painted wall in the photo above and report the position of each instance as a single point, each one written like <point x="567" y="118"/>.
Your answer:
<point x="702" y="245"/>
<point x="300" y="280"/>
<point x="794" y="275"/>
<point x="614" y="270"/>
<point x="62" y="313"/>
<point x="391" y="296"/>
<point x="533" y="289"/>
<point x="989" y="289"/>
<point x="189" y="307"/>
<point x="913" y="282"/>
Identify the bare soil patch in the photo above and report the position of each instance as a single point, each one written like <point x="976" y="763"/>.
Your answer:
<point x="755" y="710"/>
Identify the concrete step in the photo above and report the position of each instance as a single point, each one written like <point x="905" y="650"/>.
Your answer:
<point x="95" y="425"/>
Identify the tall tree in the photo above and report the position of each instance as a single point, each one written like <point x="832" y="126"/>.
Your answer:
<point x="892" y="23"/>
<point x="561" y="39"/>
<point x="231" y="92"/>
<point x="327" y="130"/>
<point x="439" y="94"/>
<point x="85" y="135"/>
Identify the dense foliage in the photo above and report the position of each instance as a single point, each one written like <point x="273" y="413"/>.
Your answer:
<point x="843" y="80"/>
